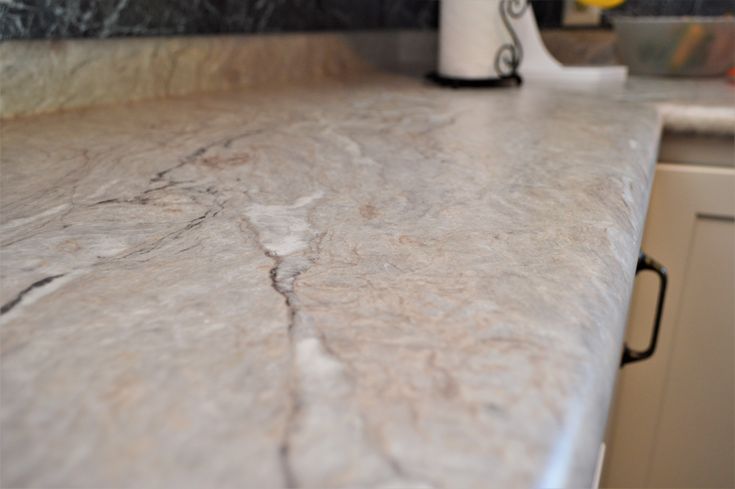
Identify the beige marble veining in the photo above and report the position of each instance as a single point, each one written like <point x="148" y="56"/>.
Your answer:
<point x="351" y="284"/>
<point x="705" y="106"/>
<point x="45" y="76"/>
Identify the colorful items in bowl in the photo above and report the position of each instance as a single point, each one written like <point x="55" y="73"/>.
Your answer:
<point x="676" y="46"/>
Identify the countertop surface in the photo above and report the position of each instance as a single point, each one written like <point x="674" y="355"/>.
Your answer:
<point x="363" y="283"/>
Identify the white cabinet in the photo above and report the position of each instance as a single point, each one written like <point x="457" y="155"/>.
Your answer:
<point x="673" y="418"/>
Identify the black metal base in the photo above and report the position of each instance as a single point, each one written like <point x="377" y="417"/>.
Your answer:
<point x="445" y="81"/>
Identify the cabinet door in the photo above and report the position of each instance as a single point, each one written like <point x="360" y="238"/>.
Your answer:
<point x="673" y="422"/>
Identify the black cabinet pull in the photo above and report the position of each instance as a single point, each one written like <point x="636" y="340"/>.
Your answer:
<point x="645" y="262"/>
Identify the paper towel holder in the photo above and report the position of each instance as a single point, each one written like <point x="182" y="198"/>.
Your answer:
<point x="507" y="58"/>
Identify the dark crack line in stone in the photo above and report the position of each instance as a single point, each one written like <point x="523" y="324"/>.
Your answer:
<point x="159" y="176"/>
<point x="284" y="446"/>
<point x="135" y="200"/>
<point x="35" y="285"/>
<point x="194" y="155"/>
<point x="174" y="235"/>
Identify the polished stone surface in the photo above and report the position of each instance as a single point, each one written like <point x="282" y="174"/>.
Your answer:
<point x="54" y="19"/>
<point x="685" y="105"/>
<point x="51" y="19"/>
<point x="351" y="284"/>
<point x="705" y="106"/>
<point x="46" y="76"/>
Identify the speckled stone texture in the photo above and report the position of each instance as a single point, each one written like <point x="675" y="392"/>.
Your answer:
<point x="54" y="19"/>
<point x="63" y="19"/>
<point x="45" y="76"/>
<point x="688" y="105"/>
<point x="353" y="284"/>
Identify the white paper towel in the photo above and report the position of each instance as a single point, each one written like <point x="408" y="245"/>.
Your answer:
<point x="471" y="33"/>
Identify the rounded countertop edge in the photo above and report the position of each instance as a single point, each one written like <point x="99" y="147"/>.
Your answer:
<point x="699" y="119"/>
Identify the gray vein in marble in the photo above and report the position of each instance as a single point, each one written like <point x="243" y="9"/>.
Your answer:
<point x="18" y="298"/>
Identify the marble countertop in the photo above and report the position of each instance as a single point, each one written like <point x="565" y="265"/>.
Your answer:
<point x="687" y="105"/>
<point x="373" y="283"/>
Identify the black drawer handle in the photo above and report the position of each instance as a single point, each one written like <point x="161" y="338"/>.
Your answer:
<point x="645" y="262"/>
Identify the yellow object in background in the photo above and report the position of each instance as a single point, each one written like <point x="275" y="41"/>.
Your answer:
<point x="601" y="3"/>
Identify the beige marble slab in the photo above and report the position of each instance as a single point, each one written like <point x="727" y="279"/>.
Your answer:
<point x="45" y="76"/>
<point x="351" y="284"/>
<point x="705" y="106"/>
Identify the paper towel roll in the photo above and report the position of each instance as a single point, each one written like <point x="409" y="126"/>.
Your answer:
<point x="470" y="36"/>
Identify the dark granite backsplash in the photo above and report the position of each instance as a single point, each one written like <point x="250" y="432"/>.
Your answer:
<point x="108" y="18"/>
<point x="676" y="7"/>
<point x="29" y="19"/>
